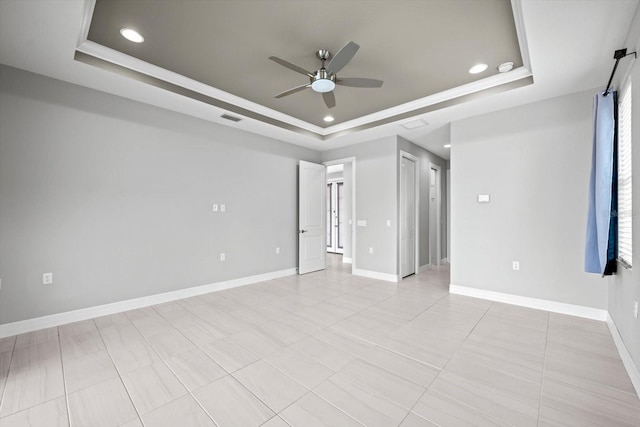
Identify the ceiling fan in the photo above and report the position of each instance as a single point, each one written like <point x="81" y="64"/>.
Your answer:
<point x="325" y="79"/>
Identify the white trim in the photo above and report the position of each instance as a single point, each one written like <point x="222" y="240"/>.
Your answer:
<point x="523" y="43"/>
<point x="29" y="325"/>
<point x="122" y="59"/>
<point x="540" y="304"/>
<point x="346" y="260"/>
<point x="444" y="261"/>
<point x="627" y="361"/>
<point x="376" y="275"/>
<point x="87" y="14"/>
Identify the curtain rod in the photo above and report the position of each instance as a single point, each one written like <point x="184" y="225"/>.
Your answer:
<point x="617" y="55"/>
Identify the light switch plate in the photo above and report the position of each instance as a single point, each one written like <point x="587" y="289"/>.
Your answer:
<point x="361" y="222"/>
<point x="483" y="198"/>
<point x="47" y="278"/>
<point x="215" y="207"/>
<point x="223" y="208"/>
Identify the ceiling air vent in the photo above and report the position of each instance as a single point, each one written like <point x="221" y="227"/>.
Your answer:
<point x="232" y="118"/>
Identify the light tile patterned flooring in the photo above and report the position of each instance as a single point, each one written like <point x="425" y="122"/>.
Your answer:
<point x="324" y="349"/>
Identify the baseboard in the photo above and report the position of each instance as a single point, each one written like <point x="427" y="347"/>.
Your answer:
<point x="346" y="260"/>
<point x="444" y="261"/>
<point x="627" y="361"/>
<point x="540" y="304"/>
<point x="376" y="275"/>
<point x="29" y="325"/>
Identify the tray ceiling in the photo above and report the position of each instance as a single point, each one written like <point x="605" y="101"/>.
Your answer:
<point x="421" y="49"/>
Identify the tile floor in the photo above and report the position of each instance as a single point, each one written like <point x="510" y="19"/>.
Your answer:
<point x="324" y="349"/>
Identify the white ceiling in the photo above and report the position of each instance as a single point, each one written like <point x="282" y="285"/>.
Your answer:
<point x="570" y="45"/>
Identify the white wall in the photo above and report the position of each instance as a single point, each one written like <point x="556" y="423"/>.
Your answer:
<point x="115" y="198"/>
<point x="534" y="161"/>
<point x="624" y="288"/>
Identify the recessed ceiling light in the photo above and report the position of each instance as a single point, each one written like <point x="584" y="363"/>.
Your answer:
<point x="478" y="68"/>
<point x="447" y="145"/>
<point x="505" y="67"/>
<point x="132" y="35"/>
<point x="328" y="118"/>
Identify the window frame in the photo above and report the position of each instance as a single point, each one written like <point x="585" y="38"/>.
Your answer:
<point x="625" y="175"/>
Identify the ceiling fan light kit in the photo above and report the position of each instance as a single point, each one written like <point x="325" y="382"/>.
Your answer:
<point x="325" y="79"/>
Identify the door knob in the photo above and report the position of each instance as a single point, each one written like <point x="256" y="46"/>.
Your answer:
<point x="303" y="231"/>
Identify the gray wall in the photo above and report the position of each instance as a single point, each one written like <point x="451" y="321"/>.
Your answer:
<point x="534" y="161"/>
<point x="624" y="288"/>
<point x="375" y="188"/>
<point x="425" y="158"/>
<point x="115" y="198"/>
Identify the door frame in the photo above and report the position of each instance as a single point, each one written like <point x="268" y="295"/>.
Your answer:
<point x="351" y="160"/>
<point x="416" y="177"/>
<point x="438" y="186"/>
<point x="334" y="199"/>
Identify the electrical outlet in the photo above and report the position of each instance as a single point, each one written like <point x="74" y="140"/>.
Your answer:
<point x="388" y="223"/>
<point x="215" y="207"/>
<point x="516" y="265"/>
<point x="635" y="309"/>
<point x="47" y="278"/>
<point x="277" y="251"/>
<point x="223" y="257"/>
<point x="370" y="250"/>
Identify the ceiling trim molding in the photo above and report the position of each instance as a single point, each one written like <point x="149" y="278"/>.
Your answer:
<point x="524" y="81"/>
<point x="106" y="54"/>
<point x="109" y="59"/>
<point x="518" y="19"/>
<point x="87" y="13"/>
<point x="179" y="90"/>
<point x="437" y="98"/>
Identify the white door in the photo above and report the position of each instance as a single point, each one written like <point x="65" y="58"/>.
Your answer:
<point x="407" y="217"/>
<point x="311" y="217"/>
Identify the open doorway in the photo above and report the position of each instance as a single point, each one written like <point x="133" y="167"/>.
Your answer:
<point x="340" y="210"/>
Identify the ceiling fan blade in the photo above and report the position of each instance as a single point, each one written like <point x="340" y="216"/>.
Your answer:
<point x="342" y="58"/>
<point x="329" y="99"/>
<point x="292" y="90"/>
<point x="290" y="66"/>
<point x="359" y="82"/>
